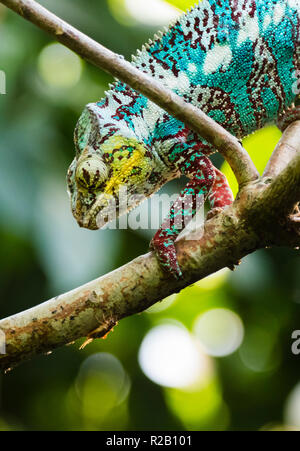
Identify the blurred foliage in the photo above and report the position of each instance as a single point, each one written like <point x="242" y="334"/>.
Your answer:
<point x="43" y="252"/>
<point x="260" y="147"/>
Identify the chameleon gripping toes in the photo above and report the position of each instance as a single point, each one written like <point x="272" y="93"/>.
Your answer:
<point x="236" y="60"/>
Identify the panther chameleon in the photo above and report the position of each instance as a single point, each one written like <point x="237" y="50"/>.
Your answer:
<point x="237" y="60"/>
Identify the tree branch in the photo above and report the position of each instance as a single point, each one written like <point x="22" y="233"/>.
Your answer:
<point x="112" y="63"/>
<point x="286" y="149"/>
<point x="258" y="218"/>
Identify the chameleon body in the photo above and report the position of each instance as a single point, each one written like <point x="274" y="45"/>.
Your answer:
<point x="237" y="60"/>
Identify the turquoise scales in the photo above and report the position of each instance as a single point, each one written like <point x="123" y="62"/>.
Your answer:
<point x="238" y="60"/>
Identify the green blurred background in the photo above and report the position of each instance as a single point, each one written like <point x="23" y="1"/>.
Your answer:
<point x="217" y="355"/>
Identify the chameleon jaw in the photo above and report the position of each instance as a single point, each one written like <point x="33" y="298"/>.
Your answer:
<point x="101" y="212"/>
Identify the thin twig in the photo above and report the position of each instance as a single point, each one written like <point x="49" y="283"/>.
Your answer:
<point x="105" y="59"/>
<point x="286" y="149"/>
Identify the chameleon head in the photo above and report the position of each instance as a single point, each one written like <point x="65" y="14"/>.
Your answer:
<point x="107" y="179"/>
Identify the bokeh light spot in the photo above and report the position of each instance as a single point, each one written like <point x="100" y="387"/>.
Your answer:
<point x="292" y="407"/>
<point x="220" y="331"/>
<point x="59" y="67"/>
<point x="170" y="357"/>
<point x="214" y="281"/>
<point x="156" y="12"/>
<point x="265" y="139"/>
<point x="258" y="352"/>
<point x="199" y="409"/>
<point x="101" y="384"/>
<point x="163" y="305"/>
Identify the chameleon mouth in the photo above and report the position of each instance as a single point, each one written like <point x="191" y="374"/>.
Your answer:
<point x="95" y="217"/>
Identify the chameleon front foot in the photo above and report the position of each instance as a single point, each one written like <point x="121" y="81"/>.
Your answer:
<point x="286" y="119"/>
<point x="165" y="252"/>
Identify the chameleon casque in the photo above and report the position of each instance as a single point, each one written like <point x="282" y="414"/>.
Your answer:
<point x="237" y="60"/>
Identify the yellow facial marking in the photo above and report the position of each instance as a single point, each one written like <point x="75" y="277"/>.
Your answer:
<point x="118" y="179"/>
<point x="126" y="153"/>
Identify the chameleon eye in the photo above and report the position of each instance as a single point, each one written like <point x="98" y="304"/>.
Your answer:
<point x="91" y="172"/>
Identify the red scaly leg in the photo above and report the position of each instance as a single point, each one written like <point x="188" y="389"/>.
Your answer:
<point x="202" y="174"/>
<point x="221" y="194"/>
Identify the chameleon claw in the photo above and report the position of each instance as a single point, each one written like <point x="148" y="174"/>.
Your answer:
<point x="167" y="258"/>
<point x="175" y="272"/>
